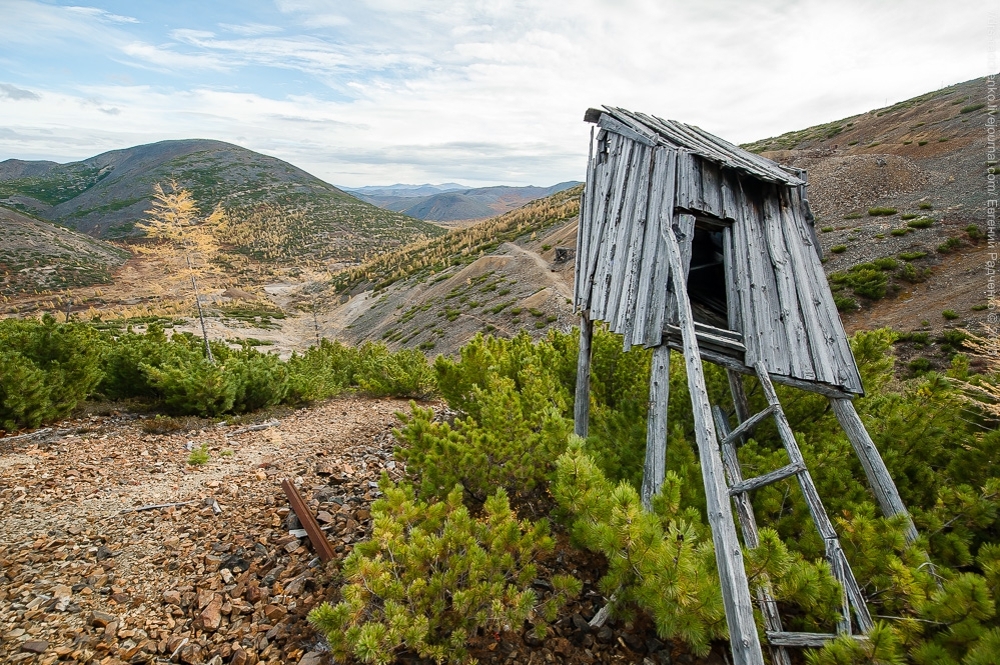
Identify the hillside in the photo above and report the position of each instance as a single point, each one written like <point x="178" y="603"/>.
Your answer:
<point x="457" y="204"/>
<point x="37" y="256"/>
<point x="285" y="213"/>
<point x="906" y="182"/>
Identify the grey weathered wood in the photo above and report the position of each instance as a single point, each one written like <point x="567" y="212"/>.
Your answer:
<point x="719" y="342"/>
<point x="740" y="402"/>
<point x="583" y="232"/>
<point x="835" y="554"/>
<point x="611" y="231"/>
<point x="774" y="343"/>
<point x="630" y="247"/>
<point x="788" y="639"/>
<point x="766" y="479"/>
<point x="655" y="468"/>
<point x="711" y="194"/>
<point x="581" y="403"/>
<point x="801" y="364"/>
<point x="664" y="215"/>
<point x="751" y="536"/>
<point x="871" y="461"/>
<point x="744" y="642"/>
<point x="650" y="289"/>
<point x="609" y="123"/>
<point x="747" y="426"/>
<point x="733" y="318"/>
<point x="605" y="180"/>
<point x="684" y="227"/>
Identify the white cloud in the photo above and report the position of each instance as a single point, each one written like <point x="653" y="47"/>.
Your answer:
<point x="495" y="91"/>
<point x="103" y="15"/>
<point x="8" y="91"/>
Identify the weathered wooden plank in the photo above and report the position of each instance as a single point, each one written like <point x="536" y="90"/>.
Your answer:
<point x="774" y="343"/>
<point x="711" y="194"/>
<point x="718" y="343"/>
<point x="754" y="336"/>
<point x="597" y="230"/>
<point x="605" y="258"/>
<point x="847" y="370"/>
<point x="655" y="467"/>
<point x="627" y="264"/>
<point x="871" y="461"/>
<point x="766" y="479"/>
<point x="583" y="234"/>
<point x="740" y="402"/>
<point x="612" y="125"/>
<point x="629" y="313"/>
<point x="788" y="639"/>
<point x="684" y="224"/>
<point x="744" y="641"/>
<point x="581" y="402"/>
<point x="751" y="536"/>
<point x="800" y="361"/>
<point x="646" y="287"/>
<point x="730" y="187"/>
<point x="659" y="277"/>
<point x="733" y="316"/>
<point x="831" y="360"/>
<point x="747" y="425"/>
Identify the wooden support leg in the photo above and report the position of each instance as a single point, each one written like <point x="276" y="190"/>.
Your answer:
<point x="878" y="475"/>
<point x="655" y="468"/>
<point x="581" y="404"/>
<point x="743" y="639"/>
<point x="739" y="395"/>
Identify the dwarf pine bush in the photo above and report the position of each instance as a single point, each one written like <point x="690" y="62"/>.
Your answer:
<point x="431" y="575"/>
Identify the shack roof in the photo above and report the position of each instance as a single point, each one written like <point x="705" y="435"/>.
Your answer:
<point x="652" y="131"/>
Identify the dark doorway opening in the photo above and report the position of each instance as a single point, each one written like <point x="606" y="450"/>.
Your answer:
<point x="706" y="284"/>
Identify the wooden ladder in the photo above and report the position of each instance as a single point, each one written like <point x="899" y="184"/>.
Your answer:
<point x="717" y="454"/>
<point x="739" y="489"/>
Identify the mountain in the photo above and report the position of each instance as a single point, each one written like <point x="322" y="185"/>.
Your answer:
<point x="903" y="189"/>
<point x="38" y="256"/>
<point x="460" y="205"/>
<point x="298" y="214"/>
<point x="404" y="191"/>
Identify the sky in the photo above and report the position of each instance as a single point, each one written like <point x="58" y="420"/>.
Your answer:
<point x="480" y="92"/>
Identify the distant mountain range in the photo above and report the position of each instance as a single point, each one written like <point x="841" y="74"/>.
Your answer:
<point x="451" y="202"/>
<point x="104" y="196"/>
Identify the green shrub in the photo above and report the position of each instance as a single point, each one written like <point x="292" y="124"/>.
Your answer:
<point x="46" y="369"/>
<point x="844" y="303"/>
<point x="193" y="386"/>
<point x="973" y="232"/>
<point x="972" y="107"/>
<point x="261" y="380"/>
<point x="827" y="229"/>
<point x="853" y="215"/>
<point x="431" y="576"/>
<point x="900" y="232"/>
<point x="912" y="256"/>
<point x="321" y="372"/>
<point x="980" y="307"/>
<point x="949" y="314"/>
<point x="925" y="205"/>
<point x="922" y="142"/>
<point x="922" y="223"/>
<point x="908" y="215"/>
<point x="949" y="245"/>
<point x="881" y="212"/>
<point x="838" y="249"/>
<point x="919" y="365"/>
<point x="954" y="338"/>
<point x="663" y="563"/>
<point x="404" y="373"/>
<point x="910" y="273"/>
<point x="199" y="455"/>
<point x="886" y="263"/>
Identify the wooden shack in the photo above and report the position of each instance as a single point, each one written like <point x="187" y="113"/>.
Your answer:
<point x="688" y="242"/>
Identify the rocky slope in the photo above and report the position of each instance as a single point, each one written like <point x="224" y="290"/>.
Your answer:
<point x="36" y="255"/>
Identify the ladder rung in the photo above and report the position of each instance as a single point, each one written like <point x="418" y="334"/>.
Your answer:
<point x="766" y="479"/>
<point x="788" y="639"/>
<point x="747" y="425"/>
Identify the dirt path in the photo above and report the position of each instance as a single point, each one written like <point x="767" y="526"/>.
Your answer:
<point x="88" y="579"/>
<point x="555" y="280"/>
